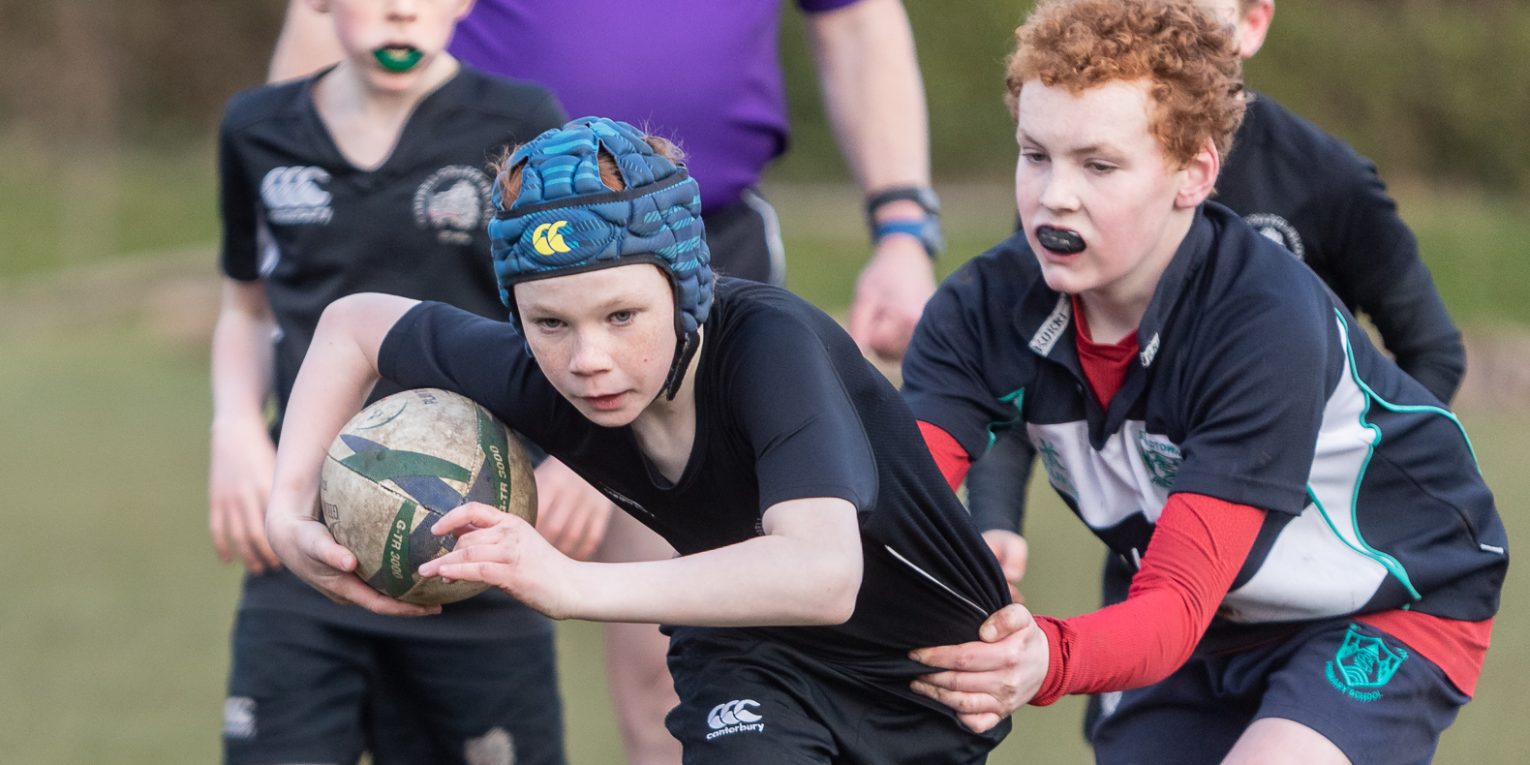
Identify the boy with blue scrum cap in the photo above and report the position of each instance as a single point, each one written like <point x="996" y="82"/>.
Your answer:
<point x="817" y="543"/>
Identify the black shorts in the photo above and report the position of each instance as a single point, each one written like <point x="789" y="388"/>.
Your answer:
<point x="745" y="240"/>
<point x="747" y="701"/>
<point x="1375" y="699"/>
<point x="303" y="691"/>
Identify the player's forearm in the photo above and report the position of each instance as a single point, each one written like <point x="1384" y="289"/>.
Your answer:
<point x="996" y="484"/>
<point x="242" y="354"/>
<point x="873" y="94"/>
<point x="338" y="372"/>
<point x="775" y="579"/>
<point x="1195" y="553"/>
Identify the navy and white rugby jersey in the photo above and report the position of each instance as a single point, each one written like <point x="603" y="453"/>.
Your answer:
<point x="1253" y="385"/>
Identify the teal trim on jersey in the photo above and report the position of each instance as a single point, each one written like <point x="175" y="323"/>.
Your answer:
<point x="1407" y="408"/>
<point x="1386" y="561"/>
<point x="1391" y="564"/>
<point x="1015" y="397"/>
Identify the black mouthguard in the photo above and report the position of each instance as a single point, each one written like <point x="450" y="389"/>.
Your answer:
<point x="1058" y="240"/>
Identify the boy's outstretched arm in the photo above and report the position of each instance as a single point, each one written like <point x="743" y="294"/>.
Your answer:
<point x="806" y="569"/>
<point x="338" y="372"/>
<point x="1200" y="544"/>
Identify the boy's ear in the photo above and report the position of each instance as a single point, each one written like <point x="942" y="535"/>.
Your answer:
<point x="464" y="9"/>
<point x="1200" y="176"/>
<point x="319" y="6"/>
<point x="1254" y="27"/>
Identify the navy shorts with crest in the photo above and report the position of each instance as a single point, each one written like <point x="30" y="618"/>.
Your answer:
<point x="1373" y="697"/>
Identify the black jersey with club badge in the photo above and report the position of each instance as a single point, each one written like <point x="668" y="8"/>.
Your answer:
<point x="786" y="408"/>
<point x="1326" y="204"/>
<point x="300" y="217"/>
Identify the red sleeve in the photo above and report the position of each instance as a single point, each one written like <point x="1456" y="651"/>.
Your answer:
<point x="949" y="455"/>
<point x="1196" y="550"/>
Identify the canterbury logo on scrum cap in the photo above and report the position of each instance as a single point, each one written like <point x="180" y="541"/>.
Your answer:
<point x="547" y="238"/>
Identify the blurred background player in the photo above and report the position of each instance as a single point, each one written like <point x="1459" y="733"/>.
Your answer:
<point x="744" y="425"/>
<point x="368" y="175"/>
<point x="719" y="95"/>
<point x="1317" y="560"/>
<point x="1319" y="199"/>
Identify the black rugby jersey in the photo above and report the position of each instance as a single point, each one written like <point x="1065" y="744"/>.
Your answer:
<point x="1252" y="385"/>
<point x="299" y="216"/>
<point x="1325" y="203"/>
<point x="786" y="408"/>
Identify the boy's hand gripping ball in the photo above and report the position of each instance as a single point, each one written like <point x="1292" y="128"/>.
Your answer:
<point x="401" y="464"/>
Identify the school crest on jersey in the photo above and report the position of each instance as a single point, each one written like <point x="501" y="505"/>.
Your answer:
<point x="1161" y="457"/>
<point x="454" y="202"/>
<point x="1363" y="665"/>
<point x="295" y="196"/>
<point x="1280" y="231"/>
<point x="1057" y="472"/>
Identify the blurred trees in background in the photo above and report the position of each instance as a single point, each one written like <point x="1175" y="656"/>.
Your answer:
<point x="1437" y="89"/>
<point x="1429" y="88"/>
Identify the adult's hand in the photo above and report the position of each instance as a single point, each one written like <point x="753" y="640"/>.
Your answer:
<point x="890" y="296"/>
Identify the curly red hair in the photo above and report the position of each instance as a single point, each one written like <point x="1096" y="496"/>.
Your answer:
<point x="1189" y="60"/>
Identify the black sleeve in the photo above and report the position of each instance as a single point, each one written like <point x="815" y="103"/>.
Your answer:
<point x="1379" y="265"/>
<point x="239" y="256"/>
<point x="946" y="369"/>
<point x="796" y="415"/>
<point x="997" y="482"/>
<point x="435" y="345"/>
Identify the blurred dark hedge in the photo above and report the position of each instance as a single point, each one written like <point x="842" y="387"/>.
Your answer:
<point x="1438" y="89"/>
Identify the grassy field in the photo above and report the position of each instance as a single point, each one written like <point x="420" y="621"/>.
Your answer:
<point x="114" y="642"/>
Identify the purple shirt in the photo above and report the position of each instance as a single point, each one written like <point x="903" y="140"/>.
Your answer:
<point x="702" y="73"/>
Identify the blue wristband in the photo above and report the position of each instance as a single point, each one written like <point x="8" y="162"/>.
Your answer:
<point x="926" y="230"/>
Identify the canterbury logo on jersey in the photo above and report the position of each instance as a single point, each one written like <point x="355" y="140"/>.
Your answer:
<point x="295" y="195"/>
<point x="548" y="238"/>
<point x="734" y="717"/>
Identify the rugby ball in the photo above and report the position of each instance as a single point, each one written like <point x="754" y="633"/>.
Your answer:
<point x="402" y="463"/>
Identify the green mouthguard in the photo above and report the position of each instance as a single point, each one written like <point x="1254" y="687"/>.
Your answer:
<point x="397" y="59"/>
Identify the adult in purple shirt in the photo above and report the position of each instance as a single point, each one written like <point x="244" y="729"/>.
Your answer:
<point x="719" y="94"/>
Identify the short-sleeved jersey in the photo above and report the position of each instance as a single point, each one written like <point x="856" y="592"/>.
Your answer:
<point x="719" y="93"/>
<point x="1253" y="385"/>
<point x="786" y="408"/>
<point x="1326" y="204"/>
<point x="298" y="215"/>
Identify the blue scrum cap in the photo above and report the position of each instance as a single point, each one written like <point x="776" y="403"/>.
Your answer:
<point x="567" y="221"/>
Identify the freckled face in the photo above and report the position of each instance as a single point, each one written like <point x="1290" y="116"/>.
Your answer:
<point x="604" y="338"/>
<point x="1091" y="168"/>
